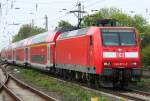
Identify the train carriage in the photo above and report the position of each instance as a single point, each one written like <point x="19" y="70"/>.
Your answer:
<point x="41" y="50"/>
<point x="13" y="46"/>
<point x="19" y="52"/>
<point x="3" y="54"/>
<point x="9" y="56"/>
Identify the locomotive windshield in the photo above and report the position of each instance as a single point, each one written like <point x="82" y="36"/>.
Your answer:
<point x="118" y="37"/>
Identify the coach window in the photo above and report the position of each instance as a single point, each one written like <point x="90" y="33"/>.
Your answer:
<point x="17" y="57"/>
<point x="38" y="58"/>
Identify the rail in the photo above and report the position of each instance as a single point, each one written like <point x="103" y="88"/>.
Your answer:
<point x="14" y="89"/>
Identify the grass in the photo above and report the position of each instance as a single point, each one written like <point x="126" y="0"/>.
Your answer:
<point x="67" y="91"/>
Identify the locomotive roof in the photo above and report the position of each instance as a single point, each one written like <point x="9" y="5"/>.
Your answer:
<point x="74" y="33"/>
<point x="87" y="31"/>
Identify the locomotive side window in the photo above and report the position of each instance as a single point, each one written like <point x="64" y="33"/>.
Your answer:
<point x="118" y="37"/>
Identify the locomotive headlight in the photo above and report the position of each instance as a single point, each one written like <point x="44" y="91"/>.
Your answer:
<point x="133" y="63"/>
<point x="107" y="63"/>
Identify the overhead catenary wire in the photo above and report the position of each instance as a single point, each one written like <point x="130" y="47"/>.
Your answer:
<point x="84" y="1"/>
<point x="68" y="9"/>
<point x="12" y="4"/>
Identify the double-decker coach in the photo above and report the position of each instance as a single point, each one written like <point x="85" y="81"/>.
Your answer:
<point x="40" y="50"/>
<point x="8" y="52"/>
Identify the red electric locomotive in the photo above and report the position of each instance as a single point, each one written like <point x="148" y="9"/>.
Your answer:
<point x="110" y="54"/>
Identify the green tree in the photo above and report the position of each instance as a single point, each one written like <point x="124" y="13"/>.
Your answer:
<point x="64" y="24"/>
<point x="146" y="37"/>
<point x="103" y="13"/>
<point x="124" y="19"/>
<point x="146" y="56"/>
<point x="27" y="31"/>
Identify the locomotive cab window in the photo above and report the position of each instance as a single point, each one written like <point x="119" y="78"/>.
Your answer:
<point x="118" y="37"/>
<point x="110" y="39"/>
<point x="128" y="39"/>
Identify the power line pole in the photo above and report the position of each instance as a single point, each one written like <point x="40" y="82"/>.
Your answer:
<point x="0" y="9"/>
<point x="32" y="22"/>
<point x="79" y="12"/>
<point x="36" y="7"/>
<point x="46" y="22"/>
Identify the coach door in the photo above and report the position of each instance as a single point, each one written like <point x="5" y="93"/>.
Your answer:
<point x="26" y="55"/>
<point x="14" y="58"/>
<point x="48" y="55"/>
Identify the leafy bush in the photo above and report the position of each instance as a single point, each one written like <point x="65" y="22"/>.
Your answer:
<point x="146" y="56"/>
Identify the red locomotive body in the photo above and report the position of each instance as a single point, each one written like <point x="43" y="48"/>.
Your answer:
<point x="74" y="52"/>
<point x="111" y="52"/>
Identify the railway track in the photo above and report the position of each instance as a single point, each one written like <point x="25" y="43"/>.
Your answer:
<point x="12" y="89"/>
<point x="146" y="74"/>
<point x="127" y="94"/>
<point x="139" y="95"/>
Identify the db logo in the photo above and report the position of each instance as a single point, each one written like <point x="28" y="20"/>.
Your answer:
<point x="120" y="55"/>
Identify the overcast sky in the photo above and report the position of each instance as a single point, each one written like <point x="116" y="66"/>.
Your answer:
<point x="9" y="14"/>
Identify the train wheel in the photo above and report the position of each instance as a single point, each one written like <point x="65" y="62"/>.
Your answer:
<point x="88" y="80"/>
<point x="64" y="74"/>
<point x="97" y="84"/>
<point x="116" y="85"/>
